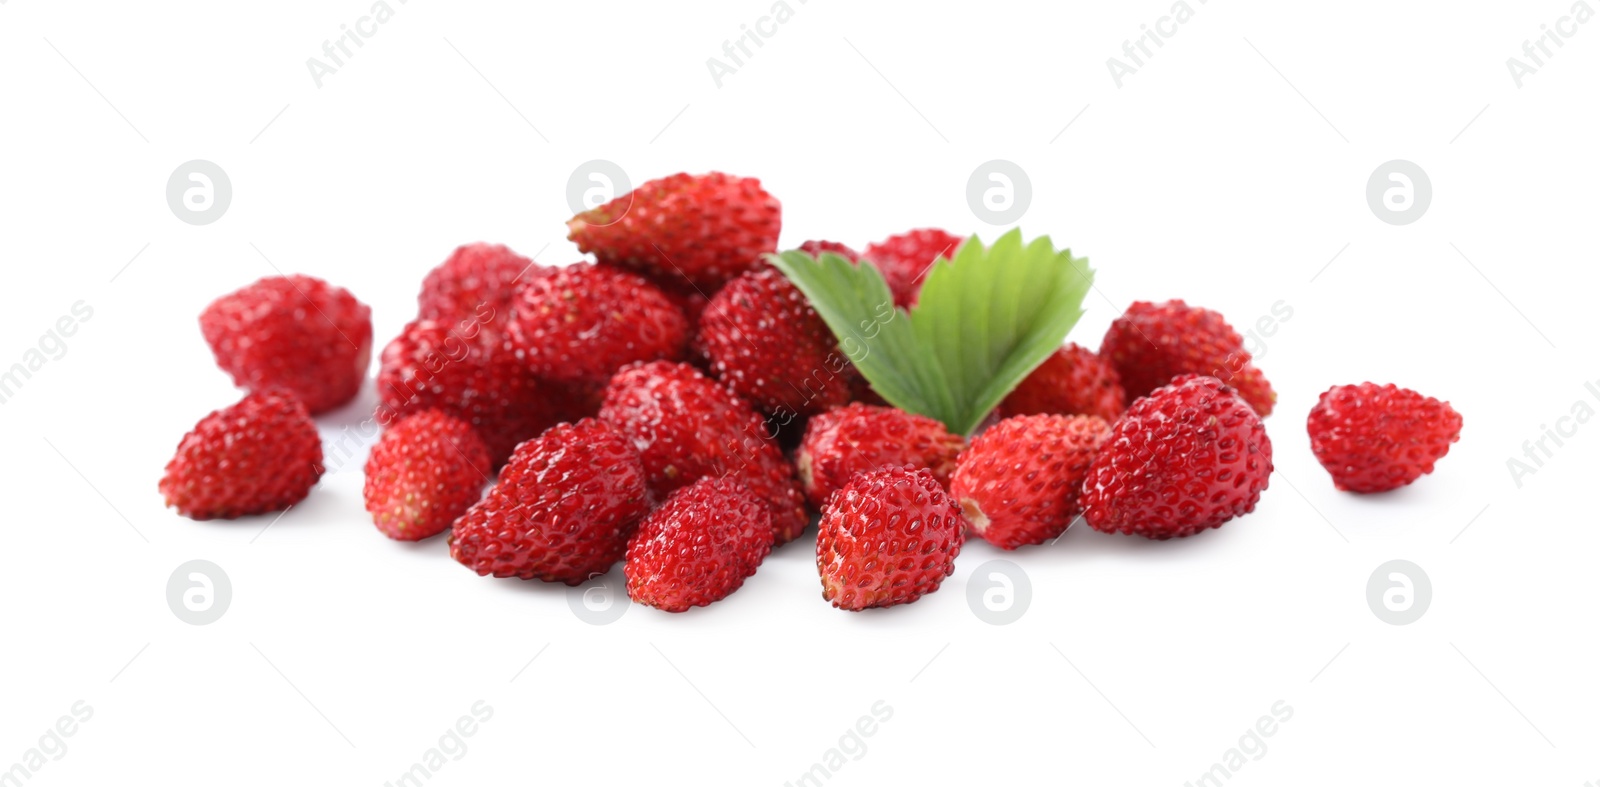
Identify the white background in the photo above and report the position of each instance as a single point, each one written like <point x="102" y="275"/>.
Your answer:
<point x="1229" y="170"/>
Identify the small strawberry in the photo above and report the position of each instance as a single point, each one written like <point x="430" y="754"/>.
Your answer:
<point x="478" y="278"/>
<point x="698" y="546"/>
<point x="1152" y="343"/>
<point x="426" y="470"/>
<point x="764" y="341"/>
<point x="1188" y="457"/>
<point x="701" y="230"/>
<point x="562" y="510"/>
<point x="905" y="260"/>
<point x="581" y="323"/>
<point x="816" y="247"/>
<point x="1072" y="381"/>
<point x="469" y="372"/>
<point x="259" y="455"/>
<point x="687" y="427"/>
<point x="888" y="537"/>
<point x="859" y="437"/>
<point x="297" y="333"/>
<point x="1018" y="484"/>
<point x="1373" y="438"/>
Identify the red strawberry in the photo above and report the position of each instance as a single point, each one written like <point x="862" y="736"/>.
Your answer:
<point x="1152" y="343"/>
<point x="688" y="427"/>
<point x="698" y="229"/>
<point x="1190" y="456"/>
<point x="426" y="470"/>
<point x="1072" y="381"/>
<point x="477" y="279"/>
<point x="297" y="333"/>
<point x="259" y="455"/>
<point x="859" y="437"/>
<point x="562" y="510"/>
<point x="889" y="537"/>
<point x="472" y="375"/>
<point x="699" y="546"/>
<point x="816" y="247"/>
<point x="905" y="260"/>
<point x="581" y="323"/>
<point x="1373" y="438"/>
<point x="1018" y="484"/>
<point x="764" y="341"/>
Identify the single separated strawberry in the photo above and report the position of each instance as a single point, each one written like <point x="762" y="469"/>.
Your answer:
<point x="764" y="341"/>
<point x="1151" y="343"/>
<point x="472" y="373"/>
<point x="861" y="437"/>
<point x="698" y="546"/>
<point x="1188" y="457"/>
<point x="905" y="259"/>
<point x="1374" y="438"/>
<point x="700" y="230"/>
<point x="297" y="333"/>
<point x="581" y="323"/>
<point x="890" y="536"/>
<point x="259" y="455"/>
<point x="1018" y="484"/>
<point x="475" y="283"/>
<point x="688" y="427"/>
<point x="1072" y="381"/>
<point x="427" y="469"/>
<point x="562" y="510"/>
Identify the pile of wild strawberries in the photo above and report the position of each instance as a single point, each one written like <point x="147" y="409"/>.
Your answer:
<point x="678" y="405"/>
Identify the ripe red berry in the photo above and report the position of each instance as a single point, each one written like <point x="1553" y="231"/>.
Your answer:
<point x="701" y="230"/>
<point x="1018" y="484"/>
<point x="562" y="510"/>
<point x="471" y="373"/>
<point x="1188" y="457"/>
<point x="859" y="437"/>
<point x="764" y="341"/>
<point x="890" y="536"/>
<point x="425" y="471"/>
<point x="1072" y="381"/>
<point x="1152" y="343"/>
<point x="905" y="260"/>
<point x="698" y="546"/>
<point x="687" y="427"/>
<point x="261" y="454"/>
<point x="477" y="279"/>
<point x="581" y="323"/>
<point x="1373" y="438"/>
<point x="296" y="333"/>
<point x="816" y="247"/>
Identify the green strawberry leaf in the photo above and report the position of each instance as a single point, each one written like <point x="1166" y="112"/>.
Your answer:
<point x="983" y="322"/>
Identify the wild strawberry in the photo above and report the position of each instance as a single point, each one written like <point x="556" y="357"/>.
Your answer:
<point x="1373" y="438"/>
<point x="477" y="279"/>
<point x="426" y="470"/>
<point x="687" y="427"/>
<point x="1072" y="381"/>
<point x="471" y="373"/>
<point x="1018" y="484"/>
<point x="562" y="510"/>
<point x="698" y="546"/>
<point x="698" y="229"/>
<point x="764" y="341"/>
<point x="1190" y="456"/>
<point x="297" y="333"/>
<point x="581" y="323"/>
<point x="261" y="454"/>
<point x="905" y="260"/>
<point x="888" y="537"/>
<point x="1152" y="343"/>
<point x="859" y="437"/>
